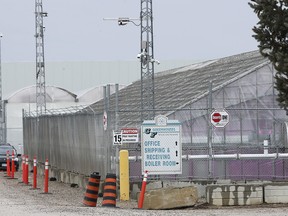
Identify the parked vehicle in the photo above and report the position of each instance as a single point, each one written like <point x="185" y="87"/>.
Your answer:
<point x="4" y="148"/>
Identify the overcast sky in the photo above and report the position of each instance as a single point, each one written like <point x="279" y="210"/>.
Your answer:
<point x="75" y="30"/>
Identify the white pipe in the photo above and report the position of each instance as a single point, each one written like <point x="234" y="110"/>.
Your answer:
<point x="282" y="155"/>
<point x="219" y="156"/>
<point x="135" y="158"/>
<point x="226" y="156"/>
<point x="198" y="157"/>
<point x="258" y="156"/>
<point x="184" y="157"/>
<point x="132" y="158"/>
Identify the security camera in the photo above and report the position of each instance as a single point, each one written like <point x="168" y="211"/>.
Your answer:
<point x="44" y="14"/>
<point x="123" y="21"/>
<point x="143" y="53"/>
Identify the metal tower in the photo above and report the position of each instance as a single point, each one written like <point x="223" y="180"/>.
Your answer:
<point x="2" y="104"/>
<point x="40" y="61"/>
<point x="147" y="61"/>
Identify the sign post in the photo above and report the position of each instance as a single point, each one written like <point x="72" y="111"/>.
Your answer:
<point x="161" y="146"/>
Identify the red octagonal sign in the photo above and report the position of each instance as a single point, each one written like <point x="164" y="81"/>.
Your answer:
<point x="219" y="118"/>
<point x="216" y="117"/>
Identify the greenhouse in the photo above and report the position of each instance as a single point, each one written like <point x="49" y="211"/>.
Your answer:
<point x="252" y="145"/>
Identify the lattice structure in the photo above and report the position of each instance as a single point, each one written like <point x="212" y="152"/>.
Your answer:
<point x="147" y="61"/>
<point x="81" y="109"/>
<point x="2" y="105"/>
<point x="40" y="61"/>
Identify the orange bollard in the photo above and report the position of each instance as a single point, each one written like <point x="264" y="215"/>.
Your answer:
<point x="13" y="165"/>
<point x="143" y="189"/>
<point x="34" y="173"/>
<point x="27" y="170"/>
<point x="46" y="177"/>
<point x="8" y="164"/>
<point x="23" y="168"/>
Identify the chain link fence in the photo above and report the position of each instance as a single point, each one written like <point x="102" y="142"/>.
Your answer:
<point x="77" y="142"/>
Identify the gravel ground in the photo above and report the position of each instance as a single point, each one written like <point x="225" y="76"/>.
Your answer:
<point x="19" y="199"/>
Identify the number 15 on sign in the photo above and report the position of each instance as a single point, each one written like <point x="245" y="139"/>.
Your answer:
<point x="117" y="138"/>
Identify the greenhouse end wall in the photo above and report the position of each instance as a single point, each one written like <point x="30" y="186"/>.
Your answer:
<point x="254" y="117"/>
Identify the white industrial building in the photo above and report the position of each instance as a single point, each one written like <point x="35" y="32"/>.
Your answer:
<point x="56" y="98"/>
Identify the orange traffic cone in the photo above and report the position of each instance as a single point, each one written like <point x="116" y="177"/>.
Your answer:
<point x="109" y="196"/>
<point x="92" y="189"/>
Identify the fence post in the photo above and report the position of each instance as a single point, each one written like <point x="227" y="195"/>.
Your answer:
<point x="8" y="164"/>
<point x="46" y="176"/>
<point x="34" y="173"/>
<point x="23" y="168"/>
<point x="13" y="165"/>
<point x="27" y="170"/>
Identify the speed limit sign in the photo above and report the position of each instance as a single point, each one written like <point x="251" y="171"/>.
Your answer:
<point x="117" y="138"/>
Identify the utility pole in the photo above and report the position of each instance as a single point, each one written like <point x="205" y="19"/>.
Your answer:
<point x="146" y="57"/>
<point x="40" y="61"/>
<point x="147" y="61"/>
<point x="2" y="103"/>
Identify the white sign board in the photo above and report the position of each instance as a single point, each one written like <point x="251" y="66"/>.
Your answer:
<point x="161" y="146"/>
<point x="117" y="138"/>
<point x="126" y="135"/>
<point x="130" y="135"/>
<point x="219" y="118"/>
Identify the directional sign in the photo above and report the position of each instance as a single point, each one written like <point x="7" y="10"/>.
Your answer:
<point x="219" y="118"/>
<point x="161" y="146"/>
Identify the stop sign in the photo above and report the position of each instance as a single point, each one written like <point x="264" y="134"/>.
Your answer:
<point x="219" y="118"/>
<point x="216" y="117"/>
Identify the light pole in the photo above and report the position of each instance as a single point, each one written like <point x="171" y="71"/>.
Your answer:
<point x="1" y="35"/>
<point x="146" y="57"/>
<point x="147" y="61"/>
<point x="2" y="105"/>
<point x="40" y="61"/>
